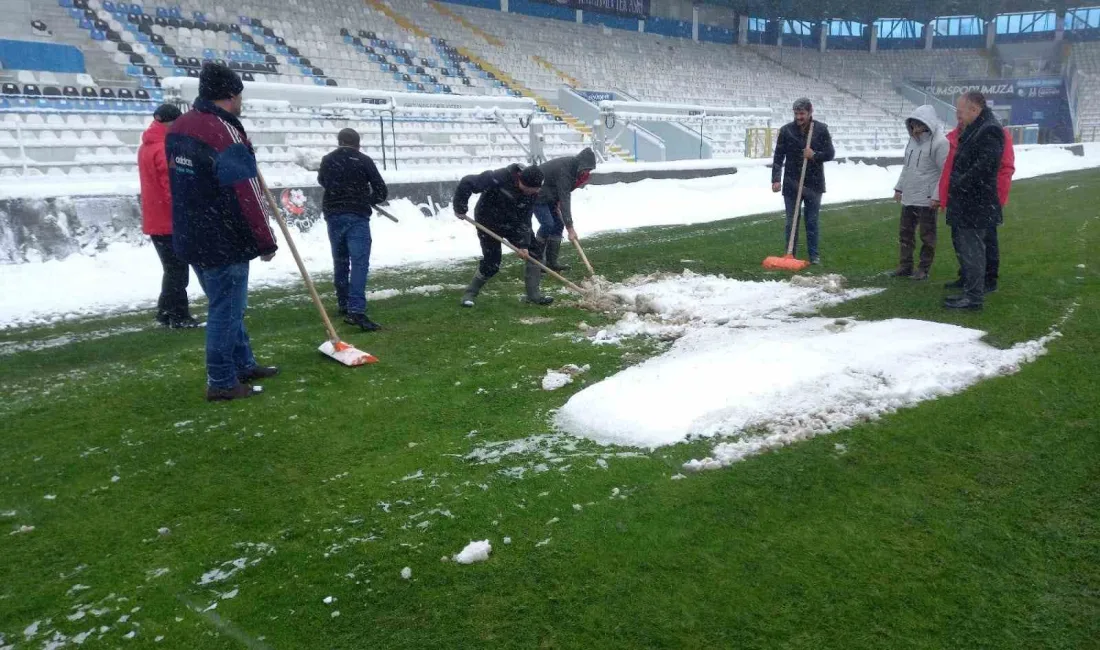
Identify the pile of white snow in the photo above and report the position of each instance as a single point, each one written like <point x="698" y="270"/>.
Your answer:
<point x="745" y="368"/>
<point x="555" y="379"/>
<point x="125" y="276"/>
<point x="474" y="552"/>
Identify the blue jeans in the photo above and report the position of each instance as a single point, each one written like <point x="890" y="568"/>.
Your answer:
<point x="550" y="224"/>
<point x="228" y="350"/>
<point x="811" y="207"/>
<point x="349" y="235"/>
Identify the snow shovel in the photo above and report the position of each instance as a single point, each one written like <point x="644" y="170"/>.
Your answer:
<point x="789" y="262"/>
<point x="537" y="263"/>
<point x="333" y="348"/>
<point x="584" y="258"/>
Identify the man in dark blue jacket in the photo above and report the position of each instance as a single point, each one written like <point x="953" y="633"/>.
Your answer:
<point x="352" y="185"/>
<point x="973" y="204"/>
<point x="507" y="201"/>
<point x="220" y="223"/>
<point x="791" y="149"/>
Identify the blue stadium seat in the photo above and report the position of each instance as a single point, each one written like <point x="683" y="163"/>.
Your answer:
<point x="86" y="24"/>
<point x="133" y="71"/>
<point x="162" y="12"/>
<point x="65" y="3"/>
<point x="109" y="6"/>
<point x="319" y="81"/>
<point x="4" y="104"/>
<point x="98" y="35"/>
<point x="156" y="94"/>
<point x="136" y="9"/>
<point x="199" y="16"/>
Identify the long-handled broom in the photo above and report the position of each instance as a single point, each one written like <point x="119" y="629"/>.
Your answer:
<point x="534" y="261"/>
<point x="789" y="262"/>
<point x="333" y="348"/>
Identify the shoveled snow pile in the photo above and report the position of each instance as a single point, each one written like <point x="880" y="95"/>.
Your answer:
<point x="744" y="367"/>
<point x="474" y="552"/>
<point x="563" y="376"/>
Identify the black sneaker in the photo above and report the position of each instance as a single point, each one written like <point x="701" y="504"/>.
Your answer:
<point x="540" y="300"/>
<point x="962" y="302"/>
<point x="990" y="287"/>
<point x="957" y="284"/>
<point x="240" y="391"/>
<point x="258" y="373"/>
<point x="163" y="320"/>
<point x="185" y="323"/>
<point x="362" y="322"/>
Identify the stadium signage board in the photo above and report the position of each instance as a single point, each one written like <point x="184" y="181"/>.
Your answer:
<point x="999" y="89"/>
<point x="626" y="8"/>
<point x="596" y="96"/>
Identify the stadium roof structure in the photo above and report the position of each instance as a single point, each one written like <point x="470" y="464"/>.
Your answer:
<point x="867" y="10"/>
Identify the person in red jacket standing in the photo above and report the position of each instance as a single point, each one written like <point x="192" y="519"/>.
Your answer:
<point x="1004" y="186"/>
<point x="156" y="220"/>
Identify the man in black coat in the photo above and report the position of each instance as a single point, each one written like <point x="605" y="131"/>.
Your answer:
<point x="554" y="210"/>
<point x="973" y="207"/>
<point x="507" y="200"/>
<point x="352" y="185"/>
<point x="791" y="149"/>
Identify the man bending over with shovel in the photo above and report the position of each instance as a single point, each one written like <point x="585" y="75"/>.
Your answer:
<point x="553" y="209"/>
<point x="507" y="198"/>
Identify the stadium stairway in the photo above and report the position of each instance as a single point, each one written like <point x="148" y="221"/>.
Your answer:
<point x="508" y="80"/>
<point x="97" y="62"/>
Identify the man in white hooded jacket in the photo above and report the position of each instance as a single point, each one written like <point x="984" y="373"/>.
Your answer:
<point x="918" y="190"/>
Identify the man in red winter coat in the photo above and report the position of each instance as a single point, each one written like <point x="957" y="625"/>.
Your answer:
<point x="156" y="220"/>
<point x="1004" y="185"/>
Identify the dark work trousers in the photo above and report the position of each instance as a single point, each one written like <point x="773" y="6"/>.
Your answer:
<point x="970" y="246"/>
<point x="172" y="304"/>
<point x="992" y="259"/>
<point x="912" y="217"/>
<point x="491" y="249"/>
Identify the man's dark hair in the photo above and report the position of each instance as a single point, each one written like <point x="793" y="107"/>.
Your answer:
<point x="348" y="138"/>
<point x="976" y="98"/>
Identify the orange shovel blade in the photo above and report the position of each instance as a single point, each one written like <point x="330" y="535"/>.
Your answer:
<point x="785" y="263"/>
<point x="347" y="354"/>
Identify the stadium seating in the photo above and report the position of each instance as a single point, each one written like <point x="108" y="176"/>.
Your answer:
<point x="59" y="123"/>
<point x="1086" y="56"/>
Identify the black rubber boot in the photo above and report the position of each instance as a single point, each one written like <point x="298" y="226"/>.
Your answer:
<point x="471" y="291"/>
<point x="553" y="249"/>
<point x="532" y="276"/>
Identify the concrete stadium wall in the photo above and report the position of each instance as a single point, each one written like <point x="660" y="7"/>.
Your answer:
<point x="38" y="229"/>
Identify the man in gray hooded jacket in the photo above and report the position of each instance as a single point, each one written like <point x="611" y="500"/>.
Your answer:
<point x="918" y="190"/>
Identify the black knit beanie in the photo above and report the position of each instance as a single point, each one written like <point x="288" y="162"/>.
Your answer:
<point x="166" y="113"/>
<point x="531" y="176"/>
<point x="218" y="82"/>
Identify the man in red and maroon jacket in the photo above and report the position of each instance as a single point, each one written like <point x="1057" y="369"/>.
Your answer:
<point x="156" y="220"/>
<point x="1004" y="186"/>
<point x="220" y="223"/>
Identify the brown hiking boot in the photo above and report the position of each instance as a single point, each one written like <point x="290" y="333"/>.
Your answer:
<point x="240" y="391"/>
<point x="258" y="373"/>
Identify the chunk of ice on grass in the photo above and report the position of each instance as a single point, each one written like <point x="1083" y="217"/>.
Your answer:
<point x="406" y="573"/>
<point x="474" y="552"/>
